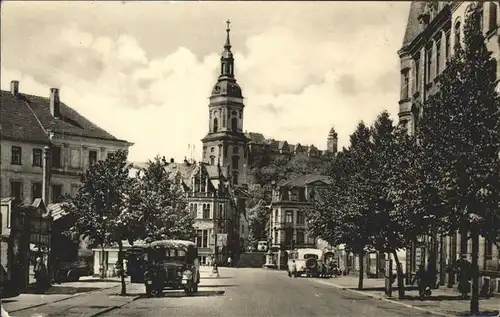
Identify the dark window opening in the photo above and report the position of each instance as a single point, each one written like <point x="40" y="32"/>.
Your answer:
<point x="92" y="157"/>
<point x="56" y="156"/>
<point x="457" y="33"/>
<point x="488" y="249"/>
<point x="216" y="125"/>
<point x="234" y="124"/>
<point x="492" y="21"/>
<point x="235" y="162"/>
<point x="16" y="190"/>
<point x="16" y="155"/>
<point x="56" y="193"/>
<point x="36" y="190"/>
<point x="37" y="157"/>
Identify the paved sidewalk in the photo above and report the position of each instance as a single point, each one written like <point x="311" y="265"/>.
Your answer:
<point x="442" y="302"/>
<point x="58" y="292"/>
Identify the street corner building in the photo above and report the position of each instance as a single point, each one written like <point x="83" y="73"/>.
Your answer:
<point x="46" y="148"/>
<point x="432" y="30"/>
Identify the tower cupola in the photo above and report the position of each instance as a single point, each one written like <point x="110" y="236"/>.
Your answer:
<point x="331" y="141"/>
<point x="226" y="84"/>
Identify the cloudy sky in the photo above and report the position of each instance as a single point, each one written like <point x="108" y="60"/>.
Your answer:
<point x="144" y="70"/>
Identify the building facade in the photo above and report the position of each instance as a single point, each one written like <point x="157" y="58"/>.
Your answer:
<point x="36" y="128"/>
<point x="46" y="148"/>
<point x="287" y="219"/>
<point x="432" y="31"/>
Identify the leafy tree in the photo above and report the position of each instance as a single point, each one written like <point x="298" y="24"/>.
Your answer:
<point x="342" y="215"/>
<point x="390" y="235"/>
<point x="101" y="209"/>
<point x="460" y="125"/>
<point x="257" y="214"/>
<point x="162" y="205"/>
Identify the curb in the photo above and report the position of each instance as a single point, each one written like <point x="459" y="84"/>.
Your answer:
<point x="61" y="299"/>
<point x="107" y="310"/>
<point x="386" y="299"/>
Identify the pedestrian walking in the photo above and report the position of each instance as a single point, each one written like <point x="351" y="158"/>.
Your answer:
<point x="40" y="275"/>
<point x="215" y="270"/>
<point x="464" y="271"/>
<point x="421" y="277"/>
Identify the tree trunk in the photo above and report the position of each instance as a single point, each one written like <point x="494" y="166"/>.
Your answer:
<point x="103" y="261"/>
<point x="120" y="261"/>
<point x="399" y="268"/>
<point x="361" y="269"/>
<point x="474" y="300"/>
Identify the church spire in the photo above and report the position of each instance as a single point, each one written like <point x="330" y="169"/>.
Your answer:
<point x="227" y="46"/>
<point x="227" y="61"/>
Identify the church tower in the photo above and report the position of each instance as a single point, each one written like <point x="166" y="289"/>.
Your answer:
<point x="331" y="141"/>
<point x="225" y="143"/>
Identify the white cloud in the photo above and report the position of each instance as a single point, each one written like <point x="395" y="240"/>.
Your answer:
<point x="161" y="104"/>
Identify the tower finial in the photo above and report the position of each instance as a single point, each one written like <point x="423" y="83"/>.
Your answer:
<point x="228" y="29"/>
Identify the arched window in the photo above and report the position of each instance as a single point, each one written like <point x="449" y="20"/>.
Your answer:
<point x="415" y="117"/>
<point x="212" y="160"/>
<point x="216" y="125"/>
<point x="493" y="70"/>
<point x="492" y="17"/>
<point x="195" y="210"/>
<point x="234" y="124"/>
<point x="457" y="33"/>
<point x="448" y="44"/>
<point x="235" y="162"/>
<point x="235" y="178"/>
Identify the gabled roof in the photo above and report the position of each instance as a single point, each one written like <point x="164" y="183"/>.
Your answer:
<point x="18" y="121"/>
<point x="27" y="118"/>
<point x="413" y="25"/>
<point x="303" y="180"/>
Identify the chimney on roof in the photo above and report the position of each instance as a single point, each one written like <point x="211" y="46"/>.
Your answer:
<point x="172" y="160"/>
<point x="14" y="87"/>
<point x="54" y="103"/>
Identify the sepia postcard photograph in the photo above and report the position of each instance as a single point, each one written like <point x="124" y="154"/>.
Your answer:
<point x="249" y="158"/>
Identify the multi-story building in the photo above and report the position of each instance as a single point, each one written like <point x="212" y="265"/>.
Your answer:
<point x="34" y="127"/>
<point x="215" y="205"/>
<point x="287" y="219"/>
<point x="432" y="31"/>
<point x="46" y="148"/>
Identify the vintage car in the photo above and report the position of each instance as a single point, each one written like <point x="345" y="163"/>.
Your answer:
<point x="167" y="264"/>
<point x="307" y="261"/>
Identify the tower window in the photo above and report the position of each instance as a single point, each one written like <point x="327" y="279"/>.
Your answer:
<point x="234" y="124"/>
<point x="216" y="125"/>
<point x="235" y="178"/>
<point x="212" y="160"/>
<point x="235" y="162"/>
<point x="212" y="149"/>
<point x="239" y="114"/>
<point x="492" y="21"/>
<point x="457" y="33"/>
